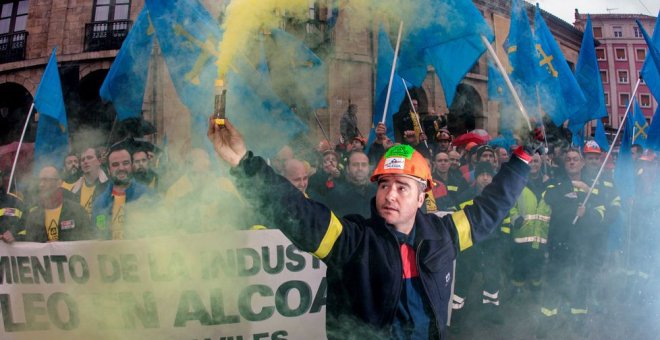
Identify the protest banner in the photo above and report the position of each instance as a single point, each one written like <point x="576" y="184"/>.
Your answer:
<point x="241" y="286"/>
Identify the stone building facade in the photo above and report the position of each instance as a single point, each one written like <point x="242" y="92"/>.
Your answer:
<point x="620" y="55"/>
<point x="73" y="26"/>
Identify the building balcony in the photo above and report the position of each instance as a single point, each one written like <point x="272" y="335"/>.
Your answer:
<point x="106" y="35"/>
<point x="12" y="46"/>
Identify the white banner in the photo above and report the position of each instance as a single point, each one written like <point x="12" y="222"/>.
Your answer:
<point x="246" y="285"/>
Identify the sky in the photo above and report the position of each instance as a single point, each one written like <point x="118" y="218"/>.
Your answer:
<point x="566" y="9"/>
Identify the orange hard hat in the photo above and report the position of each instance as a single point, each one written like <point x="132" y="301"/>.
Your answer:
<point x="404" y="160"/>
<point x="591" y="147"/>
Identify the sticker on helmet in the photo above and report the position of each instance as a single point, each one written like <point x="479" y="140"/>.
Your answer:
<point x="400" y="151"/>
<point x="397" y="163"/>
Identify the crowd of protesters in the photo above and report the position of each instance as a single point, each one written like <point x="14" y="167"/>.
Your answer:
<point x="550" y="238"/>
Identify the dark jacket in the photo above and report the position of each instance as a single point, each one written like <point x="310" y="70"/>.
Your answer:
<point x="363" y="257"/>
<point x="348" y="198"/>
<point x="73" y="225"/>
<point x="12" y="215"/>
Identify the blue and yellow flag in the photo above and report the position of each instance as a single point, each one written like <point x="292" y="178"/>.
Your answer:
<point x="398" y="92"/>
<point x="600" y="137"/>
<point x="624" y="172"/>
<point x="587" y="74"/>
<point x="640" y="125"/>
<point x="653" y="139"/>
<point x="447" y="36"/>
<point x="560" y="95"/>
<point x="525" y="72"/>
<point x="52" y="141"/>
<point x="265" y="121"/>
<point x="188" y="37"/>
<point x="303" y="73"/>
<point x="127" y="78"/>
<point x="499" y="92"/>
<point x="651" y="68"/>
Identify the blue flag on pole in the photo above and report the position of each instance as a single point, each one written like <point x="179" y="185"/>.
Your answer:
<point x="640" y="125"/>
<point x="523" y="58"/>
<point x="651" y="68"/>
<point x="398" y="92"/>
<point x="600" y="137"/>
<point x="587" y="74"/>
<point x="302" y="72"/>
<point x="449" y="38"/>
<point x="52" y="141"/>
<point x="499" y="92"/>
<point x="560" y="95"/>
<point x="624" y="172"/>
<point x="653" y="139"/>
<point x="188" y="37"/>
<point x="127" y="78"/>
<point x="267" y="123"/>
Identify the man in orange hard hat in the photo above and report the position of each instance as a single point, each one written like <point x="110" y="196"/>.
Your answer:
<point x="389" y="275"/>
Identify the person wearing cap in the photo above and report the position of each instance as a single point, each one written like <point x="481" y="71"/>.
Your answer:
<point x="389" y="274"/>
<point x="470" y="157"/>
<point x="12" y="213"/>
<point x="575" y="251"/>
<point x="486" y="259"/>
<point x="443" y="141"/>
<point x="592" y="158"/>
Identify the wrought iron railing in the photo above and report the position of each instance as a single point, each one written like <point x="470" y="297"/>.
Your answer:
<point x="12" y="46"/>
<point x="106" y="35"/>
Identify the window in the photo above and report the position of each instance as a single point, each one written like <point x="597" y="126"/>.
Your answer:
<point x="639" y="76"/>
<point x="603" y="76"/>
<point x="13" y="16"/>
<point x="607" y="98"/>
<point x="598" y="32"/>
<point x="622" y="76"/>
<point x="620" y="54"/>
<point x="624" y="98"/>
<point x="645" y="100"/>
<point x="640" y="54"/>
<point x="600" y="54"/>
<point x="637" y="32"/>
<point x="618" y="31"/>
<point x="111" y="10"/>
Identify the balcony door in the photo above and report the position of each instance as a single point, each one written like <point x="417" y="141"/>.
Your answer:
<point x="13" y="21"/>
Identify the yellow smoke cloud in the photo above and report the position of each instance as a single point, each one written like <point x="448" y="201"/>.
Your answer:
<point x="247" y="17"/>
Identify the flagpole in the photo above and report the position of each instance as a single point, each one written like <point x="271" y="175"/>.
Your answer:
<point x="20" y="143"/>
<point x="602" y="166"/>
<point x="321" y="127"/>
<point x="415" y="112"/>
<point x="492" y="53"/>
<point x="389" y="86"/>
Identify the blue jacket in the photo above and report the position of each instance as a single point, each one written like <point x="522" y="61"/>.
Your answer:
<point x="365" y="274"/>
<point x="102" y="206"/>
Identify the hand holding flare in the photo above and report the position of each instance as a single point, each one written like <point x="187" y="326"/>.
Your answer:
<point x="227" y="141"/>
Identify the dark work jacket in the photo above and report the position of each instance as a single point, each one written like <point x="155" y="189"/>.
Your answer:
<point x="364" y="273"/>
<point x="12" y="215"/>
<point x="72" y="212"/>
<point x="348" y="198"/>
